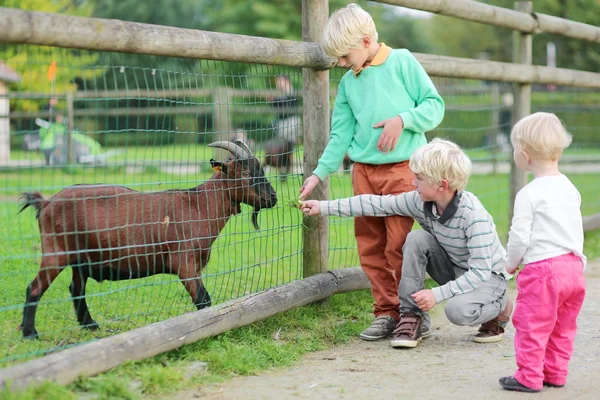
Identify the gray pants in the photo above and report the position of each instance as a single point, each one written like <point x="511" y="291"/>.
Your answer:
<point x="423" y="254"/>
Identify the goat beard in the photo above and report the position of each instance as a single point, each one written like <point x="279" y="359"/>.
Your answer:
<point x="257" y="208"/>
<point x="255" y="219"/>
<point x="236" y="209"/>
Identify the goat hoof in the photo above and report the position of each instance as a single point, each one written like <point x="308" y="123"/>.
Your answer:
<point x="30" y="335"/>
<point x="92" y="326"/>
<point x="200" y="306"/>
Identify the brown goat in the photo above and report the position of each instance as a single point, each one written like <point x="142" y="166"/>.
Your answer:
<point x="279" y="154"/>
<point x="107" y="232"/>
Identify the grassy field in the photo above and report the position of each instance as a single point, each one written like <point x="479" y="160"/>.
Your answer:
<point x="243" y="261"/>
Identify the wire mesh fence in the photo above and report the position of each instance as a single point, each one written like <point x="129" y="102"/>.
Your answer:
<point x="145" y="122"/>
<point x="142" y="122"/>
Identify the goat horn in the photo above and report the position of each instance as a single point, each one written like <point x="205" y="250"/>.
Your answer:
<point x="232" y="147"/>
<point x="243" y="145"/>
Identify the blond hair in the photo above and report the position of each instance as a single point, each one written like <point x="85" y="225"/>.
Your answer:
<point x="442" y="159"/>
<point x="346" y="29"/>
<point x="542" y="135"/>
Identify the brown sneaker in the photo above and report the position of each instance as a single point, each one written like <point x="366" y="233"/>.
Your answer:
<point x="493" y="331"/>
<point x="408" y="331"/>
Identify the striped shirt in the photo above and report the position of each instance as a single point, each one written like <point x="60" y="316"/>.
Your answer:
<point x="465" y="230"/>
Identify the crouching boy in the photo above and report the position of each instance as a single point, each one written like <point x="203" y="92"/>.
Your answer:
<point x="458" y="246"/>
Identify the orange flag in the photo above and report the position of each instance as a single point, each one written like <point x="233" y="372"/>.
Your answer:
<point x="52" y="70"/>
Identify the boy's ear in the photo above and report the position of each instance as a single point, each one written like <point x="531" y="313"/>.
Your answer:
<point x="444" y="185"/>
<point x="526" y="156"/>
<point x="366" y="41"/>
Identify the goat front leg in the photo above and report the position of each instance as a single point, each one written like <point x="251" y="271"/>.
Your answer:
<point x="190" y="277"/>
<point x="35" y="291"/>
<point x="202" y="297"/>
<point x="77" y="289"/>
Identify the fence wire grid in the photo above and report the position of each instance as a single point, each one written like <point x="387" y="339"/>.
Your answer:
<point x="144" y="122"/>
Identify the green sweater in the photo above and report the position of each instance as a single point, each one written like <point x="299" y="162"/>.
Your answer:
<point x="398" y="86"/>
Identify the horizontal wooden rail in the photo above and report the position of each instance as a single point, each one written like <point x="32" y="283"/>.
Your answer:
<point x="18" y="26"/>
<point x="454" y="67"/>
<point x="591" y="222"/>
<point x="33" y="27"/>
<point x="177" y="93"/>
<point x="477" y="11"/>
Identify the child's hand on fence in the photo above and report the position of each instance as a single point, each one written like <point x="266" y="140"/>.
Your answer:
<point x="310" y="207"/>
<point x="425" y="299"/>
<point x="309" y="185"/>
<point x="392" y="129"/>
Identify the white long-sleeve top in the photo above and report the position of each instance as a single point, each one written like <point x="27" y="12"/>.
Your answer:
<point x="546" y="222"/>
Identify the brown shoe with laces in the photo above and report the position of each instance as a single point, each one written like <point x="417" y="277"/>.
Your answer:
<point x="493" y="331"/>
<point x="408" y="331"/>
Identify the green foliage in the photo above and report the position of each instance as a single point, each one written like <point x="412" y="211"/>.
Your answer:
<point x="571" y="53"/>
<point x="460" y="38"/>
<point x="32" y="62"/>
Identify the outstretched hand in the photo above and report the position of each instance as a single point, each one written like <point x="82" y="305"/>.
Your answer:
<point x="392" y="129"/>
<point x="309" y="184"/>
<point x="310" y="207"/>
<point x="425" y="299"/>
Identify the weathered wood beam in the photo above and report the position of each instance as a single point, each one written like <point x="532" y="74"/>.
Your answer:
<point x="32" y="27"/>
<point x="591" y="222"/>
<point x="18" y="26"/>
<point x="454" y="67"/>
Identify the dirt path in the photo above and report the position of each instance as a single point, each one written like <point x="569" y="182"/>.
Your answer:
<point x="447" y="365"/>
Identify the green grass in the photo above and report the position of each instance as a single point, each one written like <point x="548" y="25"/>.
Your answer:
<point x="243" y="261"/>
<point x="277" y="342"/>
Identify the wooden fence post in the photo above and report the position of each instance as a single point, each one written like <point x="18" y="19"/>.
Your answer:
<point x="316" y="134"/>
<point x="522" y="54"/>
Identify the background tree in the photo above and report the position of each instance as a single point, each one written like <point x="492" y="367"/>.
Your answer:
<point x="455" y="37"/>
<point x="570" y="53"/>
<point x="32" y="62"/>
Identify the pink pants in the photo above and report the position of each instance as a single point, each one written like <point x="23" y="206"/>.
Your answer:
<point x="551" y="294"/>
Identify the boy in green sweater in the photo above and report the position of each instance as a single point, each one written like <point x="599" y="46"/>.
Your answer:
<point x="384" y="106"/>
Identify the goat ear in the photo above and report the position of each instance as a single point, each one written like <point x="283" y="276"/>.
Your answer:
<point x="223" y="167"/>
<point x="216" y="165"/>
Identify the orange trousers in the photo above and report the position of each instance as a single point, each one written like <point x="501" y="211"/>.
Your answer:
<point x="380" y="240"/>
